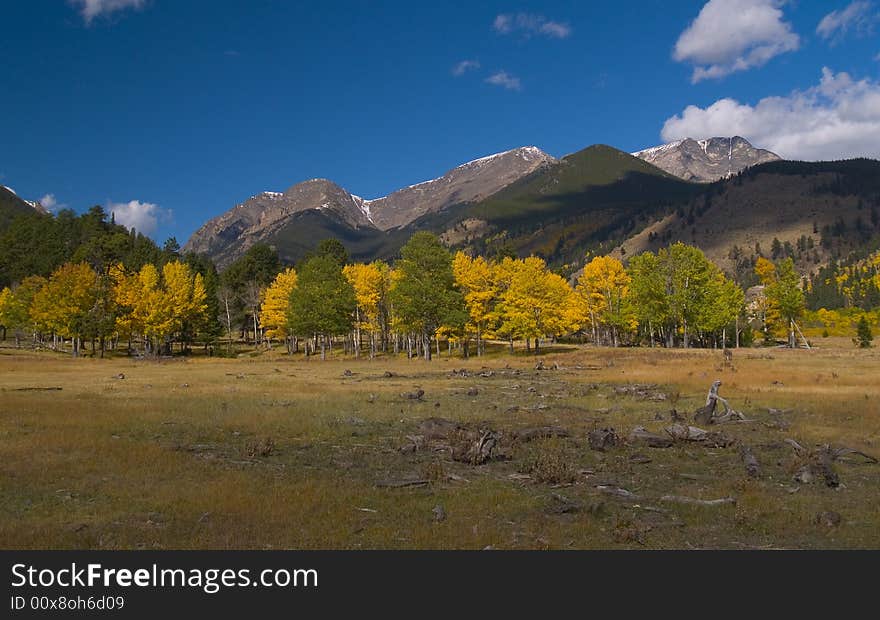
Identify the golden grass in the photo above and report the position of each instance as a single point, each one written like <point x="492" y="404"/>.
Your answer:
<point x="160" y="458"/>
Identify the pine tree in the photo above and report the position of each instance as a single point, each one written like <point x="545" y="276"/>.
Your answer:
<point x="864" y="336"/>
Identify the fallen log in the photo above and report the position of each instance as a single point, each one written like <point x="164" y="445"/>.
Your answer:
<point x="401" y="484"/>
<point x="618" y="492"/>
<point x="680" y="499"/>
<point x="641" y="435"/>
<point x="682" y="432"/>
<point x="37" y="389"/>
<point x="540" y="432"/>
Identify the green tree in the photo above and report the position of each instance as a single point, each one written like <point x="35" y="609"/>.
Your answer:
<point x="648" y="294"/>
<point x="334" y="249"/>
<point x="323" y="302"/>
<point x="244" y="281"/>
<point x="686" y="273"/>
<point x="424" y="295"/>
<point x="786" y="296"/>
<point x="864" y="337"/>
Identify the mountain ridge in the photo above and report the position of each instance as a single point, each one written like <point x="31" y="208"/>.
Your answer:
<point x="706" y="160"/>
<point x="261" y="216"/>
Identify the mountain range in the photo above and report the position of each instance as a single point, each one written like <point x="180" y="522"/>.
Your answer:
<point x="522" y="198"/>
<point x="731" y="199"/>
<point x="269" y="214"/>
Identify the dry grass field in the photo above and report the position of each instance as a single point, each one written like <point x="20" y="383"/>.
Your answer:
<point x="274" y="452"/>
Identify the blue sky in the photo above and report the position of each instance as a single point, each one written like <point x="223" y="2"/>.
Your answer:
<point x="170" y="112"/>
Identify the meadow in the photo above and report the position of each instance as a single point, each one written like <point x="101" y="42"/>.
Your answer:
<point x="270" y="451"/>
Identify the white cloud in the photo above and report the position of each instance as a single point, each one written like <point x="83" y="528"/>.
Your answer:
<point x="858" y="17"/>
<point x="838" y="118"/>
<point x="734" y="35"/>
<point x="50" y="203"/>
<point x="90" y="9"/>
<point x="141" y="216"/>
<point x="530" y="25"/>
<point x="464" y="66"/>
<point x="504" y="80"/>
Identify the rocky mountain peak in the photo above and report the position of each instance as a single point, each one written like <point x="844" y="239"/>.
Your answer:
<point x="706" y="160"/>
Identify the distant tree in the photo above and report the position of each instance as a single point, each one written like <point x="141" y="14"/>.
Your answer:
<point x="334" y="249"/>
<point x="171" y="248"/>
<point x="15" y="307"/>
<point x="322" y="304"/>
<point x="785" y="296"/>
<point x="864" y="336"/>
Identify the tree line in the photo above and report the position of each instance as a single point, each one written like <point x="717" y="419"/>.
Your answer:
<point x="115" y="290"/>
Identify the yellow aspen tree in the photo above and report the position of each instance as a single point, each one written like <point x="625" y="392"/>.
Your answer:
<point x="276" y="304"/>
<point x="15" y="306"/>
<point x="370" y="287"/>
<point x="476" y="279"/>
<point x="65" y="302"/>
<point x="536" y="303"/>
<point x="603" y="287"/>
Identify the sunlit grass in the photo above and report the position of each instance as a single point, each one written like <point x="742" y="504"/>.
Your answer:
<point x="160" y="459"/>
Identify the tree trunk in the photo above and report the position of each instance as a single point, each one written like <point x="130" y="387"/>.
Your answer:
<point x="357" y="332"/>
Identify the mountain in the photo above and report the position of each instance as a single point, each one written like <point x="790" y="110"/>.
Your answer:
<point x="257" y="219"/>
<point x="298" y="218"/>
<point x="705" y="161"/>
<point x="469" y="182"/>
<point x="11" y="206"/>
<point x="584" y="200"/>
<point x="814" y="212"/>
<point x="597" y="200"/>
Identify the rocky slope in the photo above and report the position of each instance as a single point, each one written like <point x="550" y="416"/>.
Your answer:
<point x="270" y="214"/>
<point x="706" y="161"/>
<point x="229" y="235"/>
<point x="469" y="182"/>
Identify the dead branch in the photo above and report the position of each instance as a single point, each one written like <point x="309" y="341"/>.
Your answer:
<point x="475" y="452"/>
<point x="680" y="499"/>
<point x="540" y="432"/>
<point x="707" y="414"/>
<point x="400" y="484"/>
<point x="641" y="435"/>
